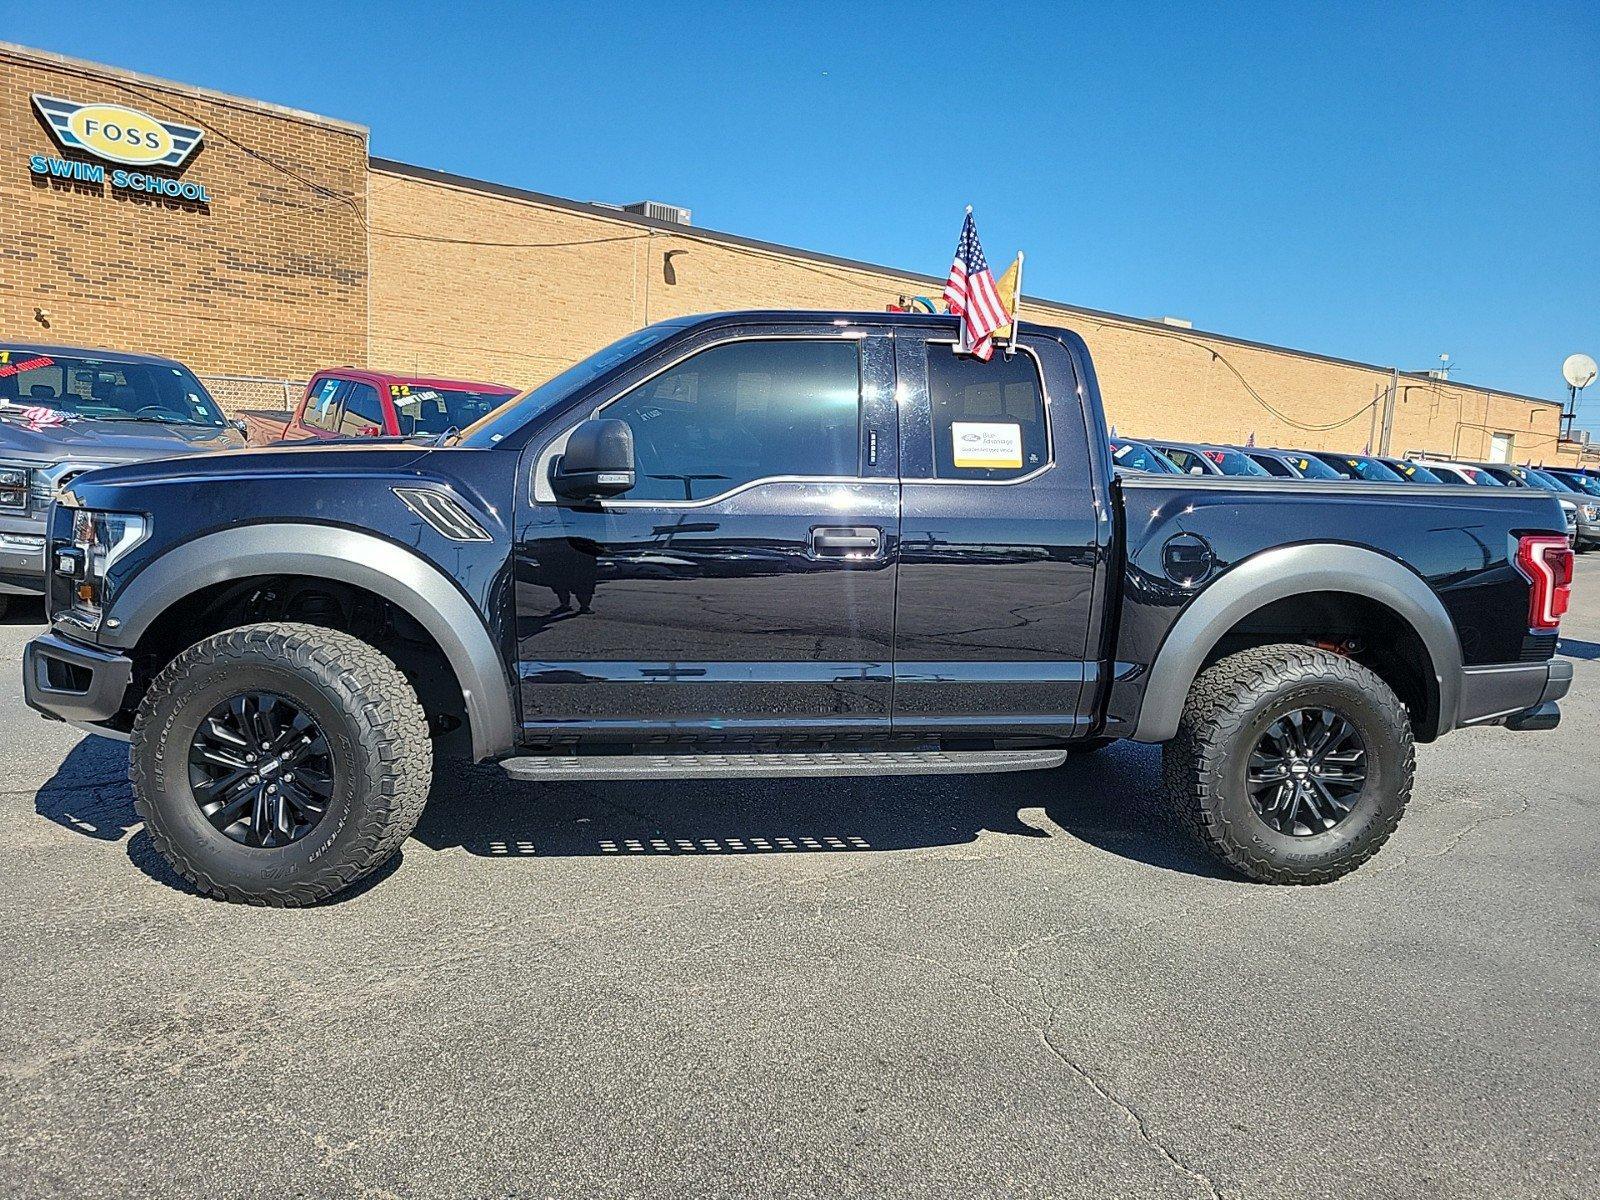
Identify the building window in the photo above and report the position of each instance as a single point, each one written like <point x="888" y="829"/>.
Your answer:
<point x="744" y="411"/>
<point x="989" y="418"/>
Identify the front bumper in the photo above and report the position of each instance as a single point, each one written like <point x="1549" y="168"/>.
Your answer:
<point x="22" y="546"/>
<point x="72" y="682"/>
<point x="1518" y="695"/>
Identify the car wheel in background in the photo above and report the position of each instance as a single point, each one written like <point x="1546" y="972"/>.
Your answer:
<point x="280" y="763"/>
<point x="1291" y="764"/>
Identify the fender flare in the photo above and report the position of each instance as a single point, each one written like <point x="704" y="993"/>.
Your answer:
<point x="349" y="556"/>
<point x="1277" y="575"/>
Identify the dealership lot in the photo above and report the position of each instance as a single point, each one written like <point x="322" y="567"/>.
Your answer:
<point x="1019" y="985"/>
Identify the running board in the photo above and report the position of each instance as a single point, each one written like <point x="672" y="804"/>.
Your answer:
<point x="780" y="764"/>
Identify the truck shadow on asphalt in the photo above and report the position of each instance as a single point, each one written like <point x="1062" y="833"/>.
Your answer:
<point x="1106" y="800"/>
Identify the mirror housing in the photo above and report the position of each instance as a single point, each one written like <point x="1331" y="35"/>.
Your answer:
<point x="597" y="461"/>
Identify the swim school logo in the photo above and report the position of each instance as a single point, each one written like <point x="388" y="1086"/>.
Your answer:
<point x="119" y="135"/>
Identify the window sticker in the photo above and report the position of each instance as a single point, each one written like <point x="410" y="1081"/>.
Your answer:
<point x="1121" y="452"/>
<point x="986" y="444"/>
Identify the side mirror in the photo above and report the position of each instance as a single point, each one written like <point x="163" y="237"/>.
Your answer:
<point x="597" y="462"/>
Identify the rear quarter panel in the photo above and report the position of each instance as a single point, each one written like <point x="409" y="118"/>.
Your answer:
<point x="1459" y="540"/>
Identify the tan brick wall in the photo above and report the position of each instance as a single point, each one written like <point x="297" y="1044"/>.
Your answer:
<point x="270" y="279"/>
<point x="307" y="258"/>
<point x="470" y="282"/>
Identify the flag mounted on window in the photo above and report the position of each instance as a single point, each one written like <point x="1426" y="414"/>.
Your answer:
<point x="971" y="294"/>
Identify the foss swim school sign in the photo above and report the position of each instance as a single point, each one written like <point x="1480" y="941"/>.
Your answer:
<point x="123" y="135"/>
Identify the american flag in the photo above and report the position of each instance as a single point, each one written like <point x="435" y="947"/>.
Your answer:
<point x="972" y="296"/>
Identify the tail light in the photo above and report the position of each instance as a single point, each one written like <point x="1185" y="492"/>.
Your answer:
<point x="1546" y="562"/>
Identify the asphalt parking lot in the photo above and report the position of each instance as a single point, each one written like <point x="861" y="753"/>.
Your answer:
<point x="998" y="985"/>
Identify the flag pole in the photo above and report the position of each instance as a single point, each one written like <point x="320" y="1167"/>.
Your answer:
<point x="1016" y="315"/>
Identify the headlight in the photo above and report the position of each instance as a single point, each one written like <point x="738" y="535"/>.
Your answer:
<point x="14" y="481"/>
<point x="99" y="539"/>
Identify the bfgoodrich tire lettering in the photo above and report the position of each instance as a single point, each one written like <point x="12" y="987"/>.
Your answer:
<point x="1229" y="708"/>
<point x="377" y="736"/>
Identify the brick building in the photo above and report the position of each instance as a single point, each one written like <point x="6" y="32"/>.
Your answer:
<point x="309" y="253"/>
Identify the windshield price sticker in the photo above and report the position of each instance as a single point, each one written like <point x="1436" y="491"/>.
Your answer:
<point x="986" y="444"/>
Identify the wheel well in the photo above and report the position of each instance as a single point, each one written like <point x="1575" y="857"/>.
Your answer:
<point x="1363" y="629"/>
<point x="311" y="601"/>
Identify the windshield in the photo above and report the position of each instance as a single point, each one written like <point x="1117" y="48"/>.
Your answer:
<point x="1312" y="468"/>
<point x="1131" y="456"/>
<point x="101" y="389"/>
<point x="1582" y="483"/>
<point x="1353" y="466"/>
<point x="1540" y="479"/>
<point x="1235" y="462"/>
<point x="1411" y="472"/>
<point x="519" y="410"/>
<point x="435" y="410"/>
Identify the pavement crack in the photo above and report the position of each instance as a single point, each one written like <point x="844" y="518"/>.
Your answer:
<point x="1087" y="1078"/>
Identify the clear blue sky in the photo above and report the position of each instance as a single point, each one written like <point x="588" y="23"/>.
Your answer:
<point x="1381" y="182"/>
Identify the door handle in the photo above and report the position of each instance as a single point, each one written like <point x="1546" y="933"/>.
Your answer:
<point x="846" y="541"/>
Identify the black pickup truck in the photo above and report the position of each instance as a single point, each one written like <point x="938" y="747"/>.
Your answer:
<point x="777" y="543"/>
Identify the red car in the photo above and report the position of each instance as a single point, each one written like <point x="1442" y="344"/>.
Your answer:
<point x="351" y="402"/>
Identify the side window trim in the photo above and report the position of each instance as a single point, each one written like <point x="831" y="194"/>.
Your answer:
<point x="542" y="493"/>
<point x="1049" y="426"/>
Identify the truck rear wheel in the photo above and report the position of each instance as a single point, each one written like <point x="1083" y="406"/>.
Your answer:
<point x="1291" y="764"/>
<point x="279" y="763"/>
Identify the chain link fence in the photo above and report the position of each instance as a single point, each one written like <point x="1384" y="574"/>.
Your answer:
<point x="235" y="393"/>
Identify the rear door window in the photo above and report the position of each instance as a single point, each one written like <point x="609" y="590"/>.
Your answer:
<point x="989" y="419"/>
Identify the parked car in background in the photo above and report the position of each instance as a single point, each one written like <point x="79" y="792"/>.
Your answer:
<point x="1586" y="511"/>
<point x="351" y="402"/>
<point x="279" y="632"/>
<point x="1363" y="467"/>
<point x="1411" y="472"/>
<point x="1130" y="455"/>
<point x="1451" y="471"/>
<point x="1198" y="458"/>
<point x="65" y="410"/>
<point x="1291" y="464"/>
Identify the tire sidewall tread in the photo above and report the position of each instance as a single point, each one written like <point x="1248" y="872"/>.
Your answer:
<point x="381" y="739"/>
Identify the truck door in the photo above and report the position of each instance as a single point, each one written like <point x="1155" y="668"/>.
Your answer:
<point x="999" y="547"/>
<point x="745" y="586"/>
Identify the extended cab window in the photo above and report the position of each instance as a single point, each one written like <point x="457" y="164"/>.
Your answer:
<point x="745" y="411"/>
<point x="363" y="412"/>
<point x="322" y="405"/>
<point x="988" y="417"/>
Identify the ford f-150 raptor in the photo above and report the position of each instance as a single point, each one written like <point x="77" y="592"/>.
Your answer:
<point x="779" y="543"/>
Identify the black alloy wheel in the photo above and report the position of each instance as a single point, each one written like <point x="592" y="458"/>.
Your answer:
<point x="1307" y="771"/>
<point x="261" y="770"/>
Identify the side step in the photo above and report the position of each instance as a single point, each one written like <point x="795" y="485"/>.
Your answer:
<point x="781" y="764"/>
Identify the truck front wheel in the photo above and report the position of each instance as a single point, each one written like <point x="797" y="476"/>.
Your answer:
<point x="279" y="763"/>
<point x="1291" y="764"/>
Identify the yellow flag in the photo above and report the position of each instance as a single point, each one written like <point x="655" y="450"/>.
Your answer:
<point x="1009" y="286"/>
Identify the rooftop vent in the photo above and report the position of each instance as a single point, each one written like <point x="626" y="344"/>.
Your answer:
<point x="660" y="212"/>
<point x="1177" y="322"/>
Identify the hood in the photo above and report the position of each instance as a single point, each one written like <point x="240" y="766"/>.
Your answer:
<point x="257" y="463"/>
<point x="104" y="441"/>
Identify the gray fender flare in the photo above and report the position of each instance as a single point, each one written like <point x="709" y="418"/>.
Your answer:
<point x="1277" y="575"/>
<point x="349" y="556"/>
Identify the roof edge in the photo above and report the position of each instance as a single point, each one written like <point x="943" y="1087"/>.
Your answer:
<point x="467" y="182"/>
<point x="119" y="75"/>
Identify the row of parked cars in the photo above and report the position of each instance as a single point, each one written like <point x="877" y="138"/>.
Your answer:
<point x="1577" y="489"/>
<point x="65" y="410"/>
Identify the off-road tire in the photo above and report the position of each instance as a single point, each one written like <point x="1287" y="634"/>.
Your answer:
<point x="375" y="728"/>
<point x="1229" y="706"/>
